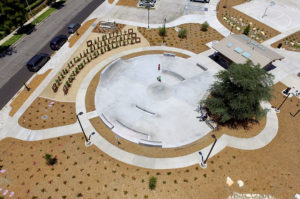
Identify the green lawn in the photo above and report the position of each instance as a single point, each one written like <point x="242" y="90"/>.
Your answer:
<point x="40" y="18"/>
<point x="12" y="40"/>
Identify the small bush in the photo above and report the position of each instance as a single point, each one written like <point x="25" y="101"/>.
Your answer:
<point x="162" y="31"/>
<point x="152" y="182"/>
<point x="49" y="159"/>
<point x="204" y="26"/>
<point x="182" y="33"/>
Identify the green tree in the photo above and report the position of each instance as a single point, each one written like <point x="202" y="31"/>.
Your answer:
<point x="49" y="159"/>
<point x="204" y="26"/>
<point x="12" y="15"/>
<point x="247" y="30"/>
<point x="236" y="95"/>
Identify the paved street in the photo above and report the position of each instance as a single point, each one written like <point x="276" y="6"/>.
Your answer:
<point x="13" y="71"/>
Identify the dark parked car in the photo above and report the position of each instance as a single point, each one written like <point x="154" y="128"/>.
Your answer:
<point x="73" y="27"/>
<point x="58" y="41"/>
<point x="37" y="62"/>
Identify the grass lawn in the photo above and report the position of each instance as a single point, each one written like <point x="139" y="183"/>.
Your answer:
<point x="12" y="40"/>
<point x="44" y="15"/>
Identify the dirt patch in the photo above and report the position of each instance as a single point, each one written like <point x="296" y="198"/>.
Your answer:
<point x="154" y="52"/>
<point x="45" y="113"/>
<point x="195" y="39"/>
<point x="291" y="42"/>
<point x="80" y="32"/>
<point x="237" y="21"/>
<point x="110" y="1"/>
<point x="24" y="94"/>
<point x="91" y="91"/>
<point x="273" y="169"/>
<point x="130" y="3"/>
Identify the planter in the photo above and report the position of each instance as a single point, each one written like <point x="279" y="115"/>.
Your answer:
<point x="54" y="87"/>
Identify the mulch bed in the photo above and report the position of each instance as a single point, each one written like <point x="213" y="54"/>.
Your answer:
<point x="24" y="95"/>
<point x="260" y="31"/>
<point x="195" y="40"/>
<point x="130" y="3"/>
<point x="46" y="113"/>
<point x="291" y="42"/>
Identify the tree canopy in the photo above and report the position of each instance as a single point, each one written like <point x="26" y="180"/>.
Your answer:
<point x="12" y="15"/>
<point x="236" y="95"/>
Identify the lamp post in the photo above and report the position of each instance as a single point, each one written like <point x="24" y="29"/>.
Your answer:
<point x="203" y="163"/>
<point x="272" y="3"/>
<point x="27" y="88"/>
<point x="86" y="139"/>
<point x="148" y="7"/>
<point x="30" y="12"/>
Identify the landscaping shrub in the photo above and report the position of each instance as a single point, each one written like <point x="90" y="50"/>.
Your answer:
<point x="152" y="182"/>
<point x="247" y="30"/>
<point x="162" y="31"/>
<point x="204" y="26"/>
<point x="182" y="33"/>
<point x="50" y="160"/>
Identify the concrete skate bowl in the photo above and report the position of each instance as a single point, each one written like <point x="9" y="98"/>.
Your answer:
<point x="137" y="107"/>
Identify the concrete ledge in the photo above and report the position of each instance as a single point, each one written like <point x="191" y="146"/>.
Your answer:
<point x="202" y="67"/>
<point x="150" y="143"/>
<point x="106" y="121"/>
<point x="174" y="74"/>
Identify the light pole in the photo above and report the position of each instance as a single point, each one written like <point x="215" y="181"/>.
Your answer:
<point x="86" y="139"/>
<point x="272" y="3"/>
<point x="203" y="163"/>
<point x="148" y="7"/>
<point x="30" y="12"/>
<point x="27" y="88"/>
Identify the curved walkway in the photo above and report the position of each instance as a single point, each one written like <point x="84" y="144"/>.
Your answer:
<point x="265" y="137"/>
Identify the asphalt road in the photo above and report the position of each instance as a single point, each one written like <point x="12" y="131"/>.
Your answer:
<point x="13" y="71"/>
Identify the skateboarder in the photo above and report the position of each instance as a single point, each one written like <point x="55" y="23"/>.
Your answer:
<point x="159" y="78"/>
<point x="158" y="67"/>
